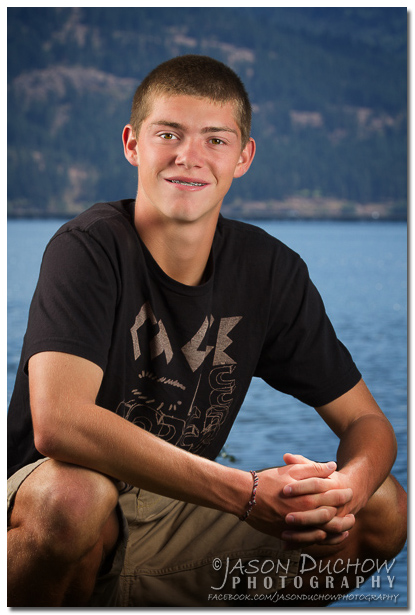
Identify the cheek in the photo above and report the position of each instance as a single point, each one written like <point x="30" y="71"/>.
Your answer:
<point x="148" y="166"/>
<point x="228" y="173"/>
<point x="155" y="161"/>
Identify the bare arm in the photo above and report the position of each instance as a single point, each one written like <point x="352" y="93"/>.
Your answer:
<point x="70" y="427"/>
<point x="365" y="455"/>
<point x="367" y="448"/>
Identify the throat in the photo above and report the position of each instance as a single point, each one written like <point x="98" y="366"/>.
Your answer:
<point x="181" y="250"/>
<point x="190" y="270"/>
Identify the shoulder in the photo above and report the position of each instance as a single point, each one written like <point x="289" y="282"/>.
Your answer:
<point x="257" y="259"/>
<point x="104" y="224"/>
<point x="100" y="216"/>
<point x="254" y="244"/>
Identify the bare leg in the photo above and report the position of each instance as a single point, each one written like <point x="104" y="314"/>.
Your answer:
<point x="63" y="525"/>
<point x="379" y="533"/>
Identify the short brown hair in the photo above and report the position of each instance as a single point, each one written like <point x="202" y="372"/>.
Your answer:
<point x="194" y="75"/>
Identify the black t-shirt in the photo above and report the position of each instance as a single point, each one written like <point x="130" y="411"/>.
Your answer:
<point x="178" y="360"/>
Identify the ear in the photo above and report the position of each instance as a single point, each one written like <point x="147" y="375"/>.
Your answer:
<point x="130" y="145"/>
<point x="246" y="158"/>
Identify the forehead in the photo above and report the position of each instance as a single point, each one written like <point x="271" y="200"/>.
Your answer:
<point x="186" y="110"/>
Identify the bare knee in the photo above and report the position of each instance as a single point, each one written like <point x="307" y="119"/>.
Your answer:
<point x="382" y="524"/>
<point x="64" y="509"/>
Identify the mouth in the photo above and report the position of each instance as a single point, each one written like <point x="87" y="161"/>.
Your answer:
<point x="181" y="182"/>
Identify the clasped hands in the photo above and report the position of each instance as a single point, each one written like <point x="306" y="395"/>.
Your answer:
<point x="304" y="503"/>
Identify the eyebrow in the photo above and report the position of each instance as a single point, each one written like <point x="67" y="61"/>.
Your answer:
<point x="205" y="130"/>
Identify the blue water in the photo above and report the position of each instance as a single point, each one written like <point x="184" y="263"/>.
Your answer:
<point x="361" y="272"/>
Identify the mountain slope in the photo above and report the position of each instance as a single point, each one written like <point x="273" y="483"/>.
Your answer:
<point x="328" y="88"/>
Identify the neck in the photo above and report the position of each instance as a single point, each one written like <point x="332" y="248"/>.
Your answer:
<point x="180" y="249"/>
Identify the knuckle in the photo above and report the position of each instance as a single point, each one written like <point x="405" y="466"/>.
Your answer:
<point x="318" y="485"/>
<point x="327" y="515"/>
<point x="309" y="486"/>
<point x="321" y="535"/>
<point x="350" y="521"/>
<point x="324" y="485"/>
<point x="300" y="520"/>
<point x="308" y="502"/>
<point x="334" y="540"/>
<point x="347" y="496"/>
<point x="319" y="468"/>
<point x="336" y="525"/>
<point x="340" y="498"/>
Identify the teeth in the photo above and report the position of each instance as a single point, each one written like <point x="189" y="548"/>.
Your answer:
<point x="176" y="181"/>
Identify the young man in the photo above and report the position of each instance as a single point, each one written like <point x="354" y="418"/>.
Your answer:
<point x="148" y="322"/>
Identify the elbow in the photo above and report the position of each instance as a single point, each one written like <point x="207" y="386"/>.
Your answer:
<point x="45" y="431"/>
<point x="394" y="444"/>
<point x="44" y="444"/>
<point x="391" y="437"/>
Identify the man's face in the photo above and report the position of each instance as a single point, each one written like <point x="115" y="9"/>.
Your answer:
<point x="188" y="151"/>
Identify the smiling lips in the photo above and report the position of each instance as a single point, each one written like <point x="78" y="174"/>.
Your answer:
<point x="187" y="183"/>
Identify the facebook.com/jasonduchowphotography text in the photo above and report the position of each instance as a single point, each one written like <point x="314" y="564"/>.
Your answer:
<point x="273" y="581"/>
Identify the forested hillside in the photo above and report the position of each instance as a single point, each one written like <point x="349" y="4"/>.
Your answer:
<point x="328" y="87"/>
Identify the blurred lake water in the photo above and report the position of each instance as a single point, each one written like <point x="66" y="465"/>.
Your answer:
<point x="360" y="269"/>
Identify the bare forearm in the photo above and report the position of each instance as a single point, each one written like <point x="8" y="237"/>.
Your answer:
<point x="103" y="441"/>
<point x="70" y="427"/>
<point x="367" y="447"/>
<point x="366" y="454"/>
<point x="100" y="440"/>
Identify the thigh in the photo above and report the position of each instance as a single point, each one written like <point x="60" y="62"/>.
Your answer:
<point x="29" y="507"/>
<point x="189" y="556"/>
<point x="61" y="492"/>
<point x="15" y="482"/>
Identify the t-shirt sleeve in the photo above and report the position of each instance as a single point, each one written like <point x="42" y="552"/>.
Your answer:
<point x="73" y="306"/>
<point x="302" y="355"/>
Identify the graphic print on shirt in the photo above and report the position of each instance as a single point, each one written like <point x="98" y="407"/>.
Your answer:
<point x="159" y="404"/>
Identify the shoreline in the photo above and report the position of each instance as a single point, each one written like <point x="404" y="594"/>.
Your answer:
<point x="235" y="215"/>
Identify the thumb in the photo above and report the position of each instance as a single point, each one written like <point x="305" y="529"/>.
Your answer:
<point x="324" y="469"/>
<point x="312" y="469"/>
<point x="289" y="458"/>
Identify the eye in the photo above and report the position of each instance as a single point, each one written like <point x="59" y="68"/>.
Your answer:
<point x="216" y="141"/>
<point x="168" y="136"/>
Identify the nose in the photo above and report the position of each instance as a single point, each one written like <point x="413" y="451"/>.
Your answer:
<point x="189" y="154"/>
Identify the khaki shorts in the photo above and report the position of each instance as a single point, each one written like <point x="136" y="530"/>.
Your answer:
<point x="174" y="554"/>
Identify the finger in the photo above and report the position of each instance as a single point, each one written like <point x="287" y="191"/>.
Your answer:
<point x="289" y="459"/>
<point x="334" y="497"/>
<point x="326" y="518"/>
<point x="313" y="469"/>
<point x="338" y="524"/>
<point x="308" y="485"/>
<point x="334" y="539"/>
<point x="320" y="516"/>
<point x="301" y="538"/>
<point x="297" y="540"/>
<point x="307" y="503"/>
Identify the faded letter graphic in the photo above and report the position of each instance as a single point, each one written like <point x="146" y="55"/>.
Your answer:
<point x="184" y="412"/>
<point x="194" y="356"/>
<point x="223" y="341"/>
<point x="160" y="343"/>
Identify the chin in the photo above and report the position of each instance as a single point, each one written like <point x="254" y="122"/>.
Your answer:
<point x="186" y="218"/>
<point x="191" y="215"/>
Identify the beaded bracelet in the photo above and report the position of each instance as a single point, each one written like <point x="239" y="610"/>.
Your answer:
<point x="252" y="501"/>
